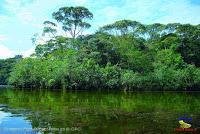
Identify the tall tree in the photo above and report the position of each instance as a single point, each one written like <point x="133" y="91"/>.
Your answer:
<point x="123" y="27"/>
<point x="50" y="29"/>
<point x="154" y="31"/>
<point x="73" y="19"/>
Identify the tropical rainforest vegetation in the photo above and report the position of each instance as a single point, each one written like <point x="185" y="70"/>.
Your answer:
<point x="124" y="55"/>
<point x="6" y="67"/>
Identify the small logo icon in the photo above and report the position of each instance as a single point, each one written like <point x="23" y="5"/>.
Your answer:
<point x="184" y="124"/>
<point x="183" y="121"/>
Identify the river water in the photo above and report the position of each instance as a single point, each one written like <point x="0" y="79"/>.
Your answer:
<point x="84" y="112"/>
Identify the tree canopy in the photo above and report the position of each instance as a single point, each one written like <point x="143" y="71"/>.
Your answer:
<point x="73" y="19"/>
<point x="124" y="55"/>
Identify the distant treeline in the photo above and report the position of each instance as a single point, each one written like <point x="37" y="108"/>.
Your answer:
<point x="124" y="55"/>
<point x="6" y="67"/>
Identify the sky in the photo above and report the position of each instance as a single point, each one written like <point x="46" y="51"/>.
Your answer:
<point x="21" y="19"/>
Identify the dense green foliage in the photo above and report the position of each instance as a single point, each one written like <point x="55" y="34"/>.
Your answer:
<point x="6" y="67"/>
<point x="124" y="55"/>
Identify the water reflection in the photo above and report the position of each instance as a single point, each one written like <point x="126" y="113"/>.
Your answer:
<point x="14" y="123"/>
<point x="3" y="115"/>
<point x="96" y="112"/>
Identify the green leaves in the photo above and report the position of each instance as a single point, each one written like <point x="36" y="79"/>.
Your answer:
<point x="49" y="28"/>
<point x="123" y="27"/>
<point x="168" y="58"/>
<point x="190" y="43"/>
<point x="6" y="67"/>
<point x="73" y="19"/>
<point x="125" y="54"/>
<point x="36" y="73"/>
<point x="111" y="76"/>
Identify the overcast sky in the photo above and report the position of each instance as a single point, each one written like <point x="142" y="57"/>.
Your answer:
<point x="20" y="19"/>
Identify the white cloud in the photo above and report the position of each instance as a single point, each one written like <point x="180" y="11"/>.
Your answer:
<point x="25" y="16"/>
<point x="28" y="52"/>
<point x="6" y="52"/>
<point x="4" y="19"/>
<point x="21" y="11"/>
<point x="39" y="26"/>
<point x="80" y="1"/>
<point x="13" y="5"/>
<point x="3" y="37"/>
<point x="185" y="12"/>
<point x="111" y="12"/>
<point x="148" y="11"/>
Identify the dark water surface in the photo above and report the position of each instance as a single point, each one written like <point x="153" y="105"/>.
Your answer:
<point x="38" y="112"/>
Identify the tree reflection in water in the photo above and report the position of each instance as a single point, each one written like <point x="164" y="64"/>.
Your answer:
<point x="99" y="112"/>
